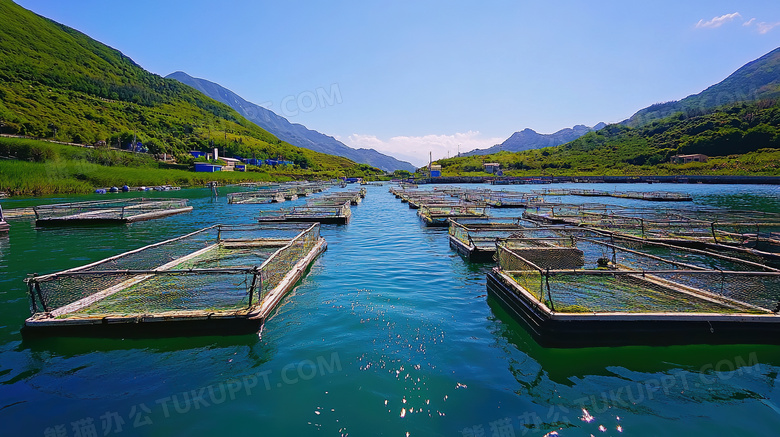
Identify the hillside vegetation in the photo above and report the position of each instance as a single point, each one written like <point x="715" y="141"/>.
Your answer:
<point x="58" y="83"/>
<point x="741" y="139"/>
<point x="754" y="81"/>
<point x="34" y="167"/>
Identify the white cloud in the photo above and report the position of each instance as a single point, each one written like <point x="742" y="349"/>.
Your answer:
<point x="717" y="21"/>
<point x="764" y="27"/>
<point x="416" y="149"/>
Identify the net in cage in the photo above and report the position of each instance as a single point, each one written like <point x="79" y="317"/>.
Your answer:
<point x="219" y="271"/>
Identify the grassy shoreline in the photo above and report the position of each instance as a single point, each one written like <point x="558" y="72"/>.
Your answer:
<point x="38" y="168"/>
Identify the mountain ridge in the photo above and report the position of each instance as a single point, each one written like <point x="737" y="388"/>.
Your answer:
<point x="293" y="133"/>
<point x="528" y="139"/>
<point x="756" y="80"/>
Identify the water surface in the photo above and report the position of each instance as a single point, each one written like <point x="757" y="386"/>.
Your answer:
<point x="390" y="333"/>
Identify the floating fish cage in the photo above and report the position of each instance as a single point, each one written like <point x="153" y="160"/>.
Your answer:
<point x="658" y="196"/>
<point x="589" y="291"/>
<point x="414" y="198"/>
<point x="352" y="197"/>
<point x="108" y="211"/>
<point x="218" y="280"/>
<point x="752" y="232"/>
<point x="475" y="239"/>
<point x="262" y="196"/>
<point x="303" y="189"/>
<point x="450" y="190"/>
<point x="300" y="189"/>
<point x="438" y="214"/>
<point x="330" y="213"/>
<point x="510" y="200"/>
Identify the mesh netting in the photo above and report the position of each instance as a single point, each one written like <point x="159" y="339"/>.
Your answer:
<point x="276" y="267"/>
<point x="598" y="276"/>
<point x="263" y="196"/>
<point x="745" y="229"/>
<point x="320" y="212"/>
<point x="440" y="213"/>
<point x="106" y="210"/>
<point x="214" y="269"/>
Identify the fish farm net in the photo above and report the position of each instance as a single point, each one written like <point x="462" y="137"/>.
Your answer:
<point x="217" y="269"/>
<point x="755" y="230"/>
<point x="107" y="210"/>
<point x="263" y="196"/>
<point x="593" y="275"/>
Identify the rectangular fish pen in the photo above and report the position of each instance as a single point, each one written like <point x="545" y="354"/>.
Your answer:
<point x="261" y="196"/>
<point x="331" y="213"/>
<point x="510" y="200"/>
<point x="352" y="197"/>
<point x="108" y="211"/>
<point x="437" y="214"/>
<point x="475" y="239"/>
<point x="658" y="196"/>
<point x="218" y="280"/>
<point x="586" y="292"/>
<point x="751" y="232"/>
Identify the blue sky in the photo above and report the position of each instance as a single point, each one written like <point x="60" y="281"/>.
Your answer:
<point x="409" y="78"/>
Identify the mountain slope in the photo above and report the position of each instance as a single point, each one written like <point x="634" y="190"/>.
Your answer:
<point x="756" y="80"/>
<point x="57" y="83"/>
<point x="741" y="138"/>
<point x="293" y="133"/>
<point x="528" y="139"/>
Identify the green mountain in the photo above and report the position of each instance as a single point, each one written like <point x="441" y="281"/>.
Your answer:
<point x="735" y="122"/>
<point x="756" y="80"/>
<point x="57" y="83"/>
<point x="742" y="138"/>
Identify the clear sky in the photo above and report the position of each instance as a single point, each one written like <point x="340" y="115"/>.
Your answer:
<point x="409" y="78"/>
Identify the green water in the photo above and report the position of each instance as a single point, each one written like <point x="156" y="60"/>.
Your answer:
<point x="390" y="333"/>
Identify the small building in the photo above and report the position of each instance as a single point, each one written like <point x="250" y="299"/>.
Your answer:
<point x="684" y="159"/>
<point x="240" y="167"/>
<point x="197" y="154"/>
<point x="230" y="163"/>
<point x="207" y="167"/>
<point x="435" y="170"/>
<point x="491" y="167"/>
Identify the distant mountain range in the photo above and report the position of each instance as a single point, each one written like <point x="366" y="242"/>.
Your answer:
<point x="528" y="139"/>
<point x="293" y="133"/>
<point x="756" y="80"/>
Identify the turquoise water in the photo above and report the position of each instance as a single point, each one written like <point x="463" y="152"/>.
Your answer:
<point x="390" y="333"/>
